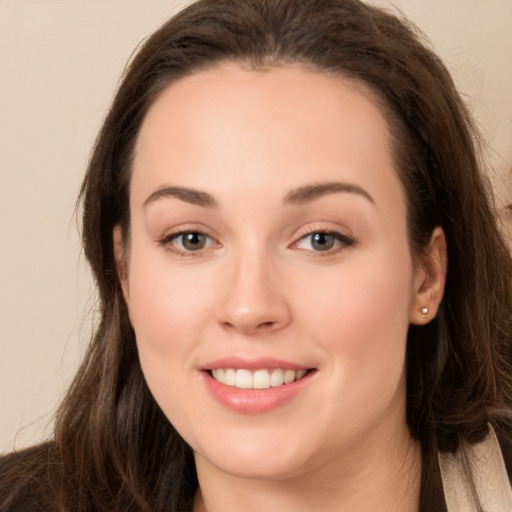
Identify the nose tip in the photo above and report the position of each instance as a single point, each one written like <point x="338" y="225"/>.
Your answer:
<point x="253" y="301"/>
<point x="249" y="321"/>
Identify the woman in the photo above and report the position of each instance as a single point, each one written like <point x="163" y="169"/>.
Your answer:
<point x="305" y="296"/>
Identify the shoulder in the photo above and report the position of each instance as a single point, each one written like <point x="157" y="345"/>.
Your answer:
<point x="25" y="480"/>
<point x="504" y="436"/>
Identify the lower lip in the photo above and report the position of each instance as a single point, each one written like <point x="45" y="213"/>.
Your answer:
<point x="255" y="401"/>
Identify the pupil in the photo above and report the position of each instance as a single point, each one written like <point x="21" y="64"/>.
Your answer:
<point x="323" y="241"/>
<point x="193" y="241"/>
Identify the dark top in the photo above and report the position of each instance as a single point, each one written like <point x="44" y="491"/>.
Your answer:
<point x="22" y="490"/>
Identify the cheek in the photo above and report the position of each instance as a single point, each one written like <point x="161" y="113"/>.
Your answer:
<point x="164" y="299"/>
<point x="166" y="311"/>
<point x="167" y="306"/>
<point x="360" y="318"/>
<point x="360" y="297"/>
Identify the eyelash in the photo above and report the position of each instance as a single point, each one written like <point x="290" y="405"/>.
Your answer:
<point x="343" y="240"/>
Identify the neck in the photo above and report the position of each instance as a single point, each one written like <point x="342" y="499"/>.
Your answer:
<point x="382" y="475"/>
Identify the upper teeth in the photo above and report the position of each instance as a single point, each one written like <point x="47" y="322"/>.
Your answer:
<point x="259" y="379"/>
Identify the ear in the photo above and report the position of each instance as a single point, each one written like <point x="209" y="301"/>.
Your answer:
<point x="120" y="257"/>
<point x="429" y="280"/>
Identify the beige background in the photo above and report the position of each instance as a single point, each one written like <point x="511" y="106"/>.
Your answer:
<point x="59" y="64"/>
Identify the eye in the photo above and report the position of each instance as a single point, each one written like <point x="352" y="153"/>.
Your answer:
<point x="323" y="241"/>
<point x="192" y="241"/>
<point x="187" y="242"/>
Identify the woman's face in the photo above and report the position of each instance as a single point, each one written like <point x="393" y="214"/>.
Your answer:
<point x="269" y="279"/>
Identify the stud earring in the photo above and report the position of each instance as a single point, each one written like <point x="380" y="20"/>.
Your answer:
<point x="424" y="312"/>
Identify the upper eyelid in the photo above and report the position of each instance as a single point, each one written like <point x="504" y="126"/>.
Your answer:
<point x="187" y="228"/>
<point x="337" y="234"/>
<point x="322" y="227"/>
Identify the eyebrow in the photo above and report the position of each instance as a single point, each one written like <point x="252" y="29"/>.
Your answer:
<point x="188" y="195"/>
<point x="309" y="193"/>
<point x="300" y="195"/>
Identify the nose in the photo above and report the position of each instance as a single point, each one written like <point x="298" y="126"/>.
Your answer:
<point x="254" y="297"/>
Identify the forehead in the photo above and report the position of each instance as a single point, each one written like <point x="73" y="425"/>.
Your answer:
<point x="230" y="89"/>
<point x="281" y="126"/>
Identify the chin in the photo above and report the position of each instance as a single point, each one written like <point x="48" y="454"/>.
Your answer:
<point x="257" y="457"/>
<point x="255" y="468"/>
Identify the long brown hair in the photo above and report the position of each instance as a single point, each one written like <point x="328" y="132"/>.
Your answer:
<point x="113" y="448"/>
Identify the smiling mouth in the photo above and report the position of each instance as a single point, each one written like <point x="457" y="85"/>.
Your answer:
<point x="258" y="379"/>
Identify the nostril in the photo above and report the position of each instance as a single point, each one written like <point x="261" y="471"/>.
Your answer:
<point x="258" y="326"/>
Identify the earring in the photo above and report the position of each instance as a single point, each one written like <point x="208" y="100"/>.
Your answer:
<point x="424" y="312"/>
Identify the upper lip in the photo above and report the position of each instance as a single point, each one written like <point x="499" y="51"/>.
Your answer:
<point x="253" y="364"/>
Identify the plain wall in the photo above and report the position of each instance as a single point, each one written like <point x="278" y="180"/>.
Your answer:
<point x="59" y="65"/>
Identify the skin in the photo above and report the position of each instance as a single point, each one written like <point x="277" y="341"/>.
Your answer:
<point x="259" y="287"/>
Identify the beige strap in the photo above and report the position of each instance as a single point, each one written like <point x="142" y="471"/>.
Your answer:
<point x="490" y="478"/>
